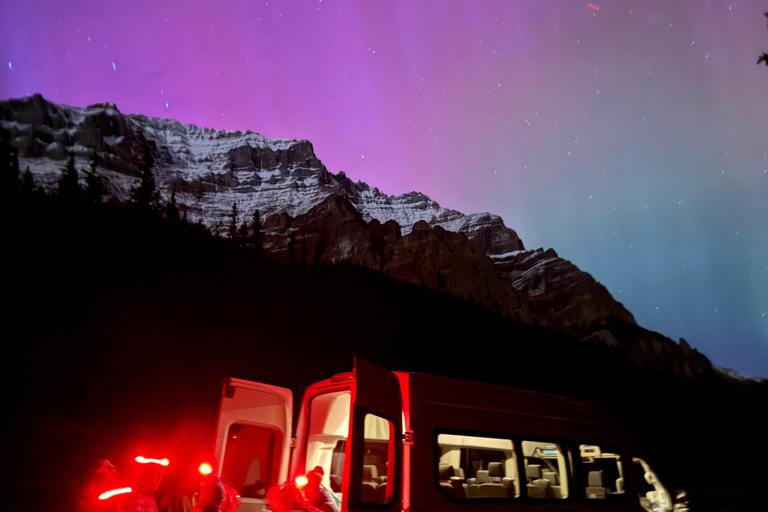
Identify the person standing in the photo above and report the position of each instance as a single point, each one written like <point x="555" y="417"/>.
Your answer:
<point x="316" y="493"/>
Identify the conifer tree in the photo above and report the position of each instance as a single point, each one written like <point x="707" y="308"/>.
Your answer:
<point x="69" y="188"/>
<point x="232" y="231"/>
<point x="28" y="183"/>
<point x="243" y="234"/>
<point x="764" y="56"/>
<point x="292" y="248"/>
<point x="172" y="209"/>
<point x="258" y="244"/>
<point x="95" y="189"/>
<point x="146" y="194"/>
<point x="9" y="165"/>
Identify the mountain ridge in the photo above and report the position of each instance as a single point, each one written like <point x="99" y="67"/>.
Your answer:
<point x="334" y="219"/>
<point x="192" y="161"/>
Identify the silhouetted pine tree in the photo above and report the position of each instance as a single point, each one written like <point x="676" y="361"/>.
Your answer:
<point x="172" y="211"/>
<point x="146" y="195"/>
<point x="28" y="183"/>
<point x="292" y="248"/>
<point x="69" y="188"/>
<point x="243" y="234"/>
<point x="232" y="231"/>
<point x="9" y="165"/>
<point x="95" y="189"/>
<point x="256" y="238"/>
<point x="764" y="56"/>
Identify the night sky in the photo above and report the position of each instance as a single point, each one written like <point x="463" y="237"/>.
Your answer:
<point x="630" y="136"/>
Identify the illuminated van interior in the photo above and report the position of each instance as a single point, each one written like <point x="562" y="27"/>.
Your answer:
<point x="475" y="467"/>
<point x="326" y="442"/>
<point x="327" y="436"/>
<point x="603" y="472"/>
<point x="545" y="470"/>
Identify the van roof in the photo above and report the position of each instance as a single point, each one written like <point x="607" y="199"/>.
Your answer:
<point x="468" y="395"/>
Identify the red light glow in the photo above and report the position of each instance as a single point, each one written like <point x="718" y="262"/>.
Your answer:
<point x="109" y="494"/>
<point x="142" y="460"/>
<point x="593" y="6"/>
<point x="301" y="480"/>
<point x="205" y="469"/>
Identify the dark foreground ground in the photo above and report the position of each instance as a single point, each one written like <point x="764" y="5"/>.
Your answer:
<point x="119" y="326"/>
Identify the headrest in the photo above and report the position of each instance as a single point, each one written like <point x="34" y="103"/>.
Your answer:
<point x="551" y="476"/>
<point x="495" y="469"/>
<point x="595" y="479"/>
<point x="445" y="471"/>
<point x="482" y="476"/>
<point x="458" y="472"/>
<point x="533" y="471"/>
<point x="369" y="473"/>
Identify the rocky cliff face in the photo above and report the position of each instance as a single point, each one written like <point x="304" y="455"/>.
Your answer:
<point x="209" y="169"/>
<point x="314" y="216"/>
<point x="535" y="287"/>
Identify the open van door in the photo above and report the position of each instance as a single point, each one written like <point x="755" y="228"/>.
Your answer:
<point x="253" y="439"/>
<point x="372" y="476"/>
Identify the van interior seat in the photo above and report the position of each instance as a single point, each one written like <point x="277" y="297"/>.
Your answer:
<point x="495" y="472"/>
<point x="537" y="486"/>
<point x="553" y="489"/>
<point x="449" y="482"/>
<point x="370" y="485"/>
<point x="595" y="489"/>
<point x="381" y="493"/>
<point x="481" y="477"/>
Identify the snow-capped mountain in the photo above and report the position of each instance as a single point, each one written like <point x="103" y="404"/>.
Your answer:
<point x="737" y="375"/>
<point x="311" y="215"/>
<point x="210" y="169"/>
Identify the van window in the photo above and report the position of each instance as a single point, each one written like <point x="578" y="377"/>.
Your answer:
<point x="249" y="457"/>
<point x="545" y="470"/>
<point x="474" y="467"/>
<point x="599" y="471"/>
<point x="378" y="452"/>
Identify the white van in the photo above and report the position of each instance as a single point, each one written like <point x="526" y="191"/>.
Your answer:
<point x="391" y="441"/>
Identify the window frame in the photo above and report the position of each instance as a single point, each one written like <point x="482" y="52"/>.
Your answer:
<point x="610" y="499"/>
<point x="564" y="444"/>
<point x="356" y="474"/>
<point x="272" y="452"/>
<point x="473" y="433"/>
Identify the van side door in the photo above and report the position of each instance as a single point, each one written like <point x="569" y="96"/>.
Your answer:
<point x="253" y="438"/>
<point x="373" y="470"/>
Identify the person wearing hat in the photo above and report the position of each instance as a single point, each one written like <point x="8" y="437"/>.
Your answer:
<point x="316" y="494"/>
<point x="211" y="495"/>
